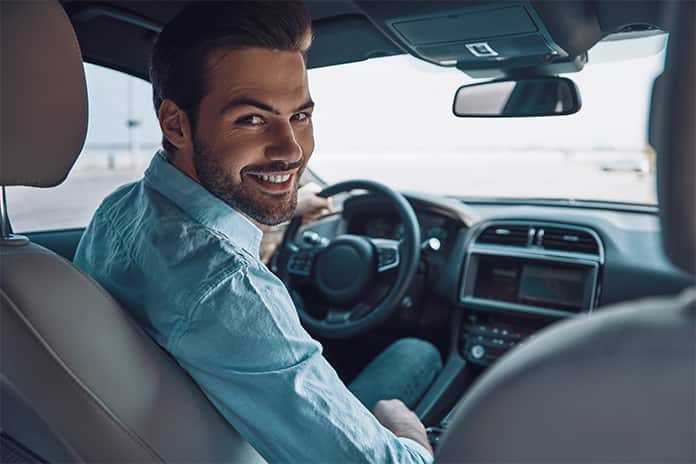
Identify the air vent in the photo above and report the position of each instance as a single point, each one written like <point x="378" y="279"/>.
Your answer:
<point x="556" y="238"/>
<point x="515" y="235"/>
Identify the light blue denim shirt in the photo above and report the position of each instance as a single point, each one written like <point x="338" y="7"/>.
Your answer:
<point x="187" y="267"/>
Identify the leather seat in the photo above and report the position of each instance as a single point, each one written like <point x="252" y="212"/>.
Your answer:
<point x="80" y="381"/>
<point x="620" y="385"/>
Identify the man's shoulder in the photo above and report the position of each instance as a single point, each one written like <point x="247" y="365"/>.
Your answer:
<point x="120" y="207"/>
<point x="142" y="248"/>
<point x="160" y="235"/>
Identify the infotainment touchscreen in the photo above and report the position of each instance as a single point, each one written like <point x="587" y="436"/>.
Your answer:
<point x="544" y="284"/>
<point x="555" y="285"/>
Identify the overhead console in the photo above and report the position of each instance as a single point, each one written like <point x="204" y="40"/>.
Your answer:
<point x="474" y="35"/>
<point x="485" y="38"/>
<point x="519" y="276"/>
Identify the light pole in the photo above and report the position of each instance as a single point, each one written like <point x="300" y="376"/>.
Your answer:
<point x="132" y="124"/>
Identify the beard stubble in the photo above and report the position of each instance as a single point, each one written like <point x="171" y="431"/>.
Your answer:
<point x="263" y="208"/>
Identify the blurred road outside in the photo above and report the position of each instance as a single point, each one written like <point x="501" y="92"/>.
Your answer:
<point x="548" y="174"/>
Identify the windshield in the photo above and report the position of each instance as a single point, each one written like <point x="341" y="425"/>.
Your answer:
<point x="390" y="119"/>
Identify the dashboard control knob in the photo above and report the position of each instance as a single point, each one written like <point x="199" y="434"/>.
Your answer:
<point x="311" y="238"/>
<point x="431" y="244"/>
<point x="314" y="239"/>
<point x="477" y="351"/>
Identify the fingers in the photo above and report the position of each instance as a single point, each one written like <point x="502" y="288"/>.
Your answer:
<point x="309" y="205"/>
<point x="309" y="188"/>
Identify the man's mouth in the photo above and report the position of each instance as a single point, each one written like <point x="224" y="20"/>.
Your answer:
<point x="277" y="179"/>
<point x="274" y="182"/>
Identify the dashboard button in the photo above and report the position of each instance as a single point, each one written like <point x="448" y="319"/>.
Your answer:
<point x="477" y="351"/>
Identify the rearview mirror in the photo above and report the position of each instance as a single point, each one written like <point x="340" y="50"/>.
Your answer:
<point x="539" y="96"/>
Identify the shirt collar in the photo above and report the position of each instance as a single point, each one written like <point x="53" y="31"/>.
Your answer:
<point x="201" y="205"/>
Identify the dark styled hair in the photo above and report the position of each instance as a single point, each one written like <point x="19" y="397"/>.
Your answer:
<point x="178" y="68"/>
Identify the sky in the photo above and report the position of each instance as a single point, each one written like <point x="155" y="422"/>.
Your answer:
<point x="400" y="104"/>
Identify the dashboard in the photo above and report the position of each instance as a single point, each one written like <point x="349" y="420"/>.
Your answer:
<point x="389" y="226"/>
<point x="504" y="271"/>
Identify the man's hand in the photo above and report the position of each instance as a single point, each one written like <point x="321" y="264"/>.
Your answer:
<point x="394" y="415"/>
<point x="309" y="205"/>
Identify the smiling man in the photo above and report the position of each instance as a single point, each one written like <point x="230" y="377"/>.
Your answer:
<point x="254" y="132"/>
<point x="180" y="248"/>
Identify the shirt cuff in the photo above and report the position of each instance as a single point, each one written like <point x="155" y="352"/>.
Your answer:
<point x="419" y="449"/>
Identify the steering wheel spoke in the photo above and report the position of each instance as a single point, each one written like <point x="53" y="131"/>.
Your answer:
<point x="388" y="254"/>
<point x="337" y="316"/>
<point x="360" y="310"/>
<point x="301" y="261"/>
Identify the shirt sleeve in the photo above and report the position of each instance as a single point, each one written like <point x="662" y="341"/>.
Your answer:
<point x="425" y="455"/>
<point x="245" y="347"/>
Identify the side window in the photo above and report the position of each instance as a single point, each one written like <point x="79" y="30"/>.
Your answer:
<point x="122" y="135"/>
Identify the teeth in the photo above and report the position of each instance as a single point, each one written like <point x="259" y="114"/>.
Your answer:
<point x="274" y="179"/>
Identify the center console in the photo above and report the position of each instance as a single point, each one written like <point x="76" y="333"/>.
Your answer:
<point x="519" y="277"/>
<point x="482" y="340"/>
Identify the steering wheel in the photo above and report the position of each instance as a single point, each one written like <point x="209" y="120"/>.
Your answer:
<point x="351" y="277"/>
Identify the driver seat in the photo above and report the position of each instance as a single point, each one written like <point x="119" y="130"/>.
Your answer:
<point x="79" y="380"/>
<point x="619" y="385"/>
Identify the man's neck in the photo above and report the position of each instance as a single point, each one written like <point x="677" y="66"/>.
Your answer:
<point x="185" y="165"/>
<point x="182" y="163"/>
<point x="261" y="227"/>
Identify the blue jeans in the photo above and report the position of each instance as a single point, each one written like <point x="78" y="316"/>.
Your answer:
<point x="403" y="371"/>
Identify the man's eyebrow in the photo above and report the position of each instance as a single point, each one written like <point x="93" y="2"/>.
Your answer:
<point x="305" y="106"/>
<point x="245" y="101"/>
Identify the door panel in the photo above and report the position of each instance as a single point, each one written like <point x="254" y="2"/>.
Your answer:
<point x="62" y="242"/>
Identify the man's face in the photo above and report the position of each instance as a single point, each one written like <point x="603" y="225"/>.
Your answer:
<point x="254" y="133"/>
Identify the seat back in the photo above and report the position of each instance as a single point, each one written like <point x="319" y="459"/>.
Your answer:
<point x="74" y="361"/>
<point x="620" y="385"/>
<point x="80" y="381"/>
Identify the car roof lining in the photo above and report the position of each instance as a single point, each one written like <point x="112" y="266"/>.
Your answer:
<point x="119" y="35"/>
<point x="96" y="25"/>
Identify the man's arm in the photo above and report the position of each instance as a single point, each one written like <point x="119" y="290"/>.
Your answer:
<point x="245" y="347"/>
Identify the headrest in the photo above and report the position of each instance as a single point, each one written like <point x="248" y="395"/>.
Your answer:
<point x="672" y="134"/>
<point x="44" y="95"/>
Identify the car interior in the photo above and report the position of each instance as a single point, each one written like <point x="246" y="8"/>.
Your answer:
<point x="567" y="328"/>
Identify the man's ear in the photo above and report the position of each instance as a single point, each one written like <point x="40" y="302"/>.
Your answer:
<point x="175" y="125"/>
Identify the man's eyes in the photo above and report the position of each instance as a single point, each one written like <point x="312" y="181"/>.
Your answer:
<point x="251" y="120"/>
<point x="301" y="117"/>
<point x="256" y="120"/>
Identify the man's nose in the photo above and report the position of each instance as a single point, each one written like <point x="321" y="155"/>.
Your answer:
<point x="284" y="145"/>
